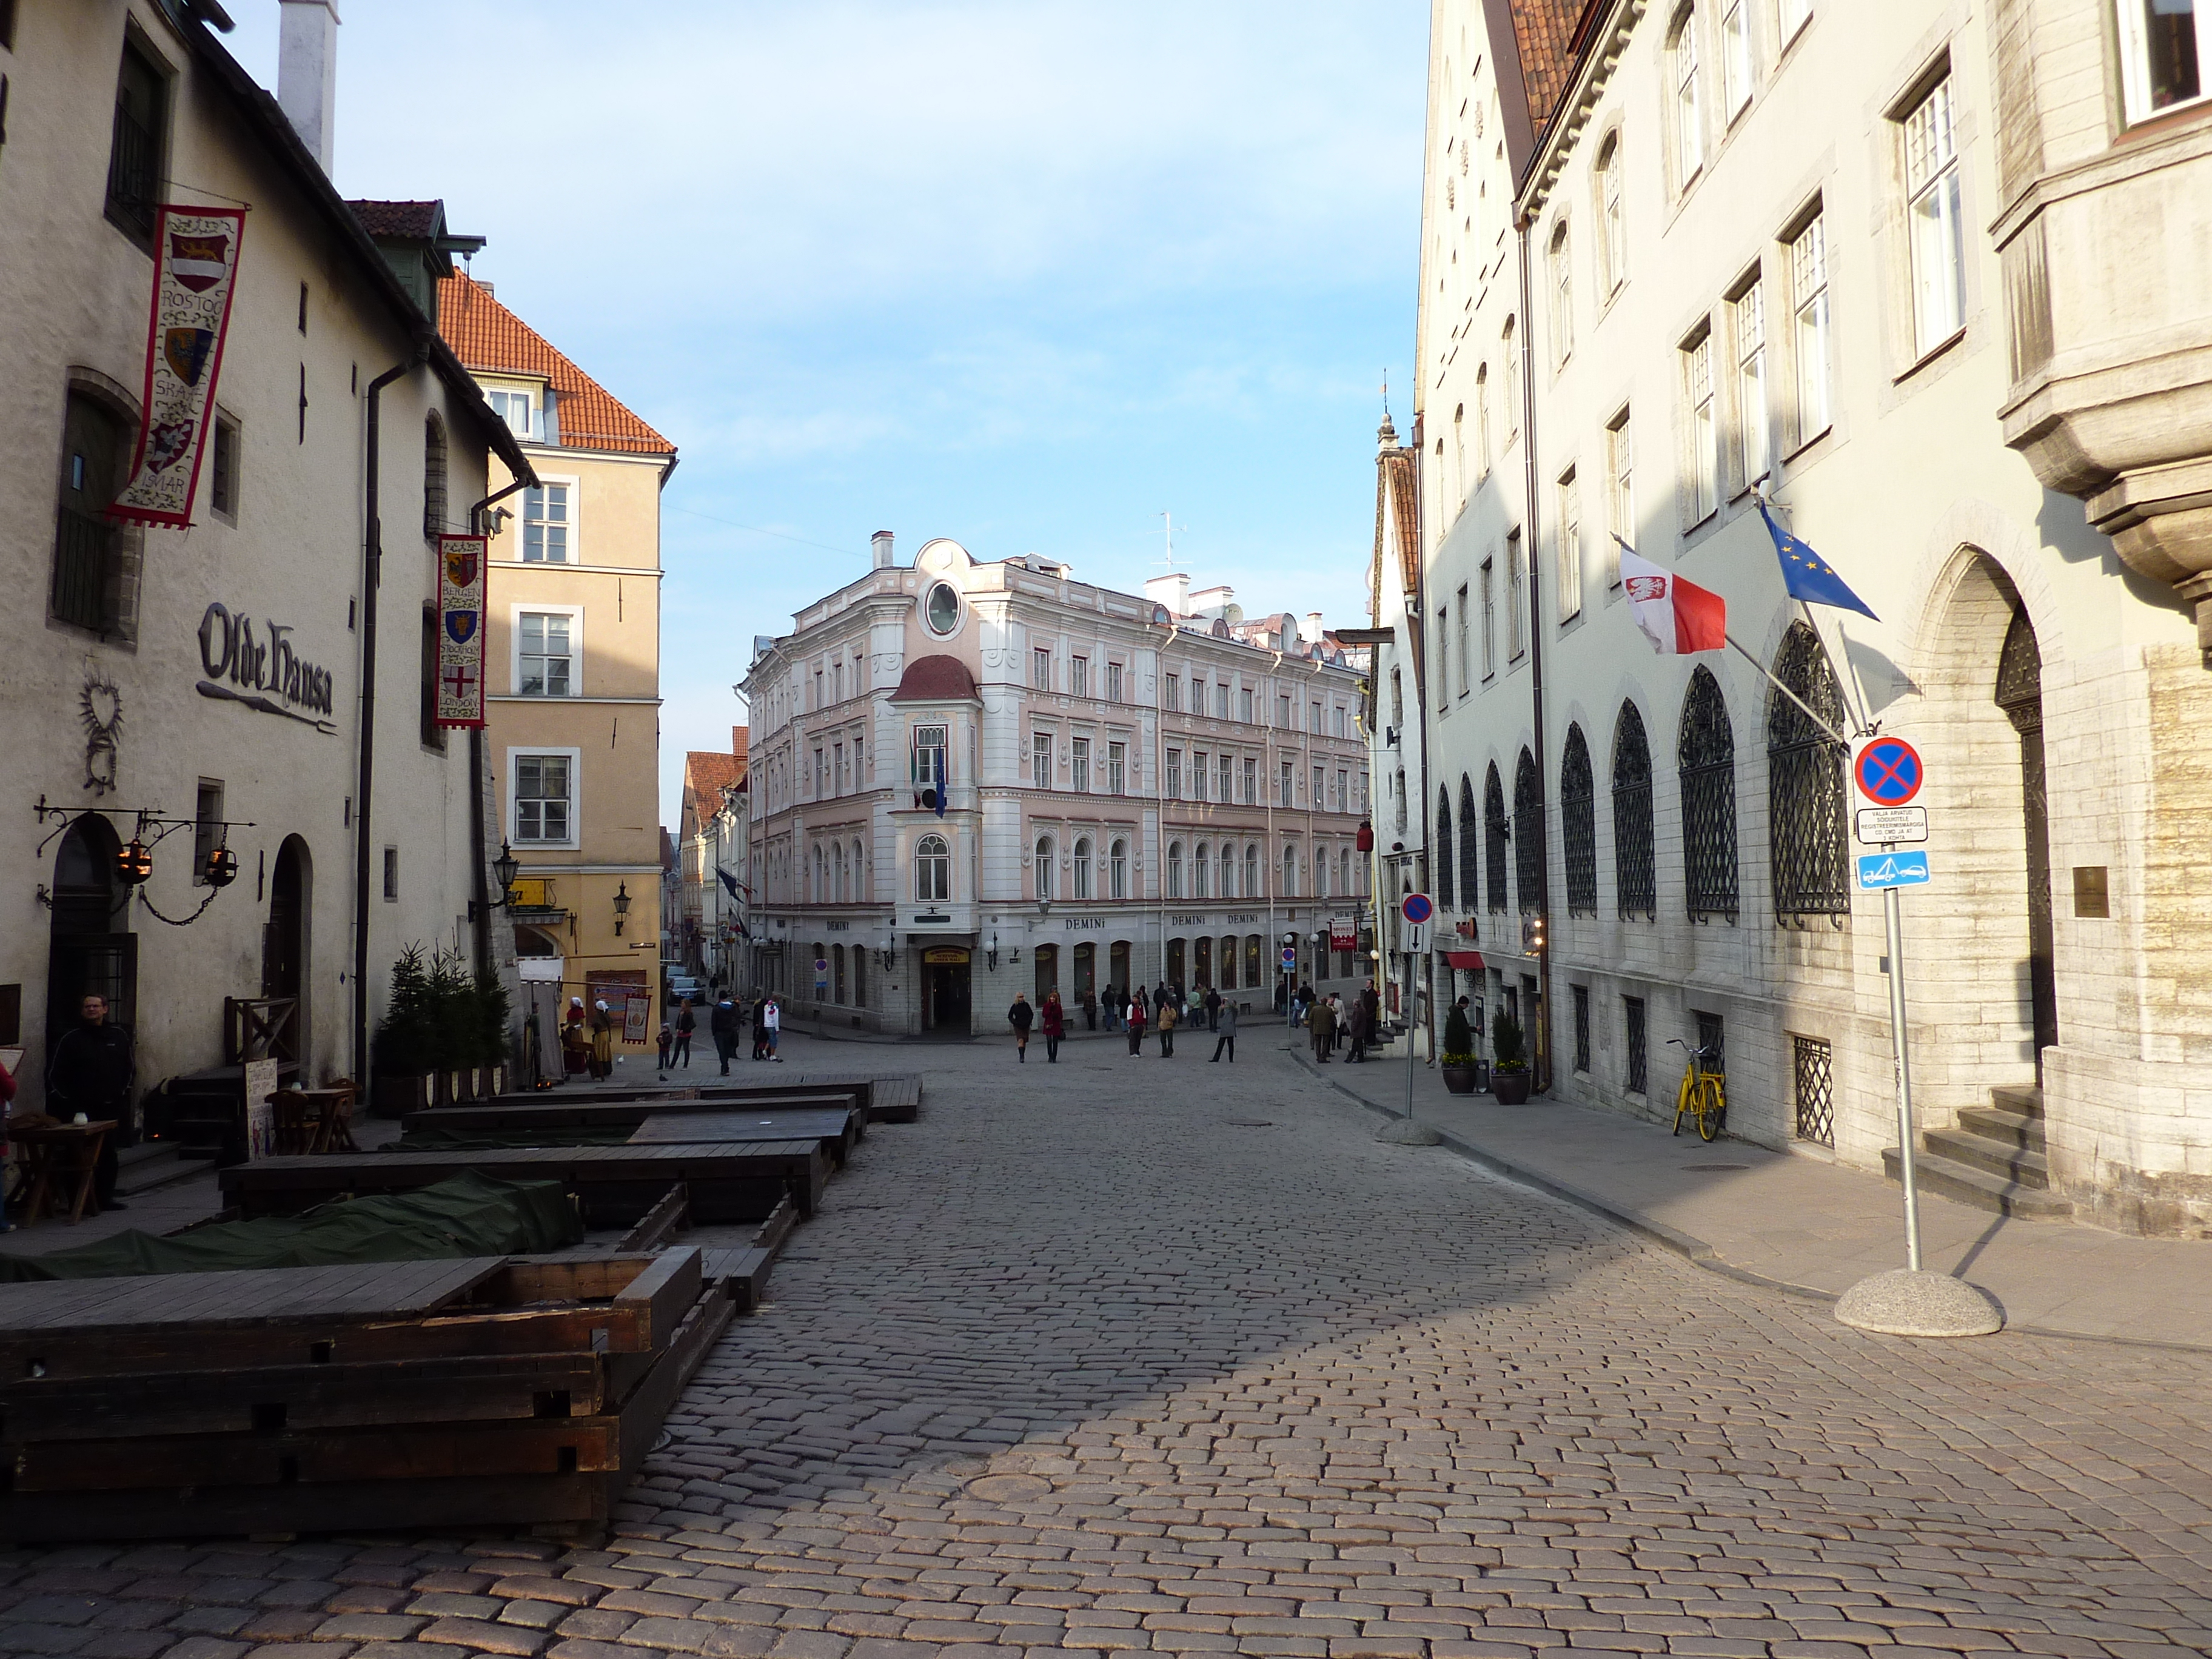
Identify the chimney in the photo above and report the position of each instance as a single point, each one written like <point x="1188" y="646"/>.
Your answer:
<point x="1310" y="629"/>
<point x="1173" y="591"/>
<point x="880" y="543"/>
<point x="307" y="72"/>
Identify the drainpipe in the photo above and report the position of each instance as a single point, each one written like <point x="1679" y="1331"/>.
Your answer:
<point x="481" y="907"/>
<point x="1543" y="1067"/>
<point x="372" y="575"/>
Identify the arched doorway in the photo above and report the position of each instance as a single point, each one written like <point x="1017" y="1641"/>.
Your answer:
<point x="284" y="947"/>
<point x="2018" y="692"/>
<point x="92" y="952"/>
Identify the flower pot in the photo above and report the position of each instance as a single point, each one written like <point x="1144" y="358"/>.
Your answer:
<point x="1511" y="1088"/>
<point x="1460" y="1079"/>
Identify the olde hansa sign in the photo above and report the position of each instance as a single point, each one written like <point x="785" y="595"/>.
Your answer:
<point x="243" y="661"/>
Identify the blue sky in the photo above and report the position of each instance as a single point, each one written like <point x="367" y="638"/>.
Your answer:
<point x="1017" y="272"/>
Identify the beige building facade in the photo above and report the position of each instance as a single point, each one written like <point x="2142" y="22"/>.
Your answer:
<point x="572" y="663"/>
<point x="1925" y="280"/>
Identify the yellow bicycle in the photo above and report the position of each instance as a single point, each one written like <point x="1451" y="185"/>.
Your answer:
<point x="1703" y="1096"/>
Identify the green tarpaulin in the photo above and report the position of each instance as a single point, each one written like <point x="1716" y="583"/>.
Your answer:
<point x="468" y="1215"/>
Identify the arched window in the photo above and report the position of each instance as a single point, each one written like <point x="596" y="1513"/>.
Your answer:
<point x="1689" y="121"/>
<point x="1398" y="801"/>
<point x="1252" y="871"/>
<point x="434" y="475"/>
<point x="1440" y="862"/>
<point x="1117" y="870"/>
<point x="1482" y="421"/>
<point x="1611" y="246"/>
<point x="1509" y="351"/>
<point x="1706" y="755"/>
<point x="1494" y="838"/>
<point x="1175" y="869"/>
<point x="1529" y="835"/>
<point x="1470" y="847"/>
<point x="1290" y="872"/>
<point x="844" y="888"/>
<point x="1578" y="824"/>
<point x="860" y="876"/>
<point x="1563" y="297"/>
<point x="1635" y="864"/>
<point x="1344" y="872"/>
<point x="933" y="869"/>
<point x="1805" y="789"/>
<point x="1227" y="871"/>
<point x="1320" y="873"/>
<point x="1459" y="454"/>
<point x="1083" y="868"/>
<point x="818" y="893"/>
<point x="1201" y="871"/>
<point x="1044" y="866"/>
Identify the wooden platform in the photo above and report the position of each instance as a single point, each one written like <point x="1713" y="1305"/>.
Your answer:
<point x="615" y="1186"/>
<point x="887" y="1098"/>
<point x="836" y="1119"/>
<point x="312" y="1399"/>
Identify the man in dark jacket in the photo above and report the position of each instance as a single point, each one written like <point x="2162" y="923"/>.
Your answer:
<point x="1021" y="1016"/>
<point x="686" y="1023"/>
<point x="722" y="1025"/>
<point x="1213" y="1009"/>
<point x="90" y="1071"/>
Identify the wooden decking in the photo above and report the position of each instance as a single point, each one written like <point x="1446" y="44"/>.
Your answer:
<point x="836" y="1119"/>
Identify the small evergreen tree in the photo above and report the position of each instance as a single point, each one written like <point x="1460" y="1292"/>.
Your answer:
<point x="404" y="1039"/>
<point x="1505" y="1038"/>
<point x="454" y="1014"/>
<point x="1459" y="1038"/>
<point x="493" y="1013"/>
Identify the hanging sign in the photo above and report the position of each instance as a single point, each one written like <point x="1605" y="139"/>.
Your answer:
<point x="195" y="273"/>
<point x="461" y="630"/>
<point x="1342" y="935"/>
<point x="1887" y="771"/>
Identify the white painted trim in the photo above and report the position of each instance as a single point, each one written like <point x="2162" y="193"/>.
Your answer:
<point x="647" y="702"/>
<point x="575" y="795"/>
<point x="576" y="486"/>
<point x="575" y="613"/>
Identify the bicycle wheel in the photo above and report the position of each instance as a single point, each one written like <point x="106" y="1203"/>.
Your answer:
<point x="1684" y="1101"/>
<point x="1711" y="1105"/>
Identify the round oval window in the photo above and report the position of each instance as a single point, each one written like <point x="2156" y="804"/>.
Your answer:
<point x="943" y="609"/>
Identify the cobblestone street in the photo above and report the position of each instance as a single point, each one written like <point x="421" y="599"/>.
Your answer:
<point x="1123" y="1354"/>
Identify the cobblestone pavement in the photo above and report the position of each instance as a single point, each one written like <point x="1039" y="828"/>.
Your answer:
<point x="1140" y="1355"/>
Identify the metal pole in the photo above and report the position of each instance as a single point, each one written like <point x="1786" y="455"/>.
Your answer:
<point x="1412" y="1007"/>
<point x="1894" y="928"/>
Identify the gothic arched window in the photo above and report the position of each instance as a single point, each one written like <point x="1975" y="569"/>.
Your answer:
<point x="1470" y="848"/>
<point x="1529" y="835"/>
<point x="1578" y="826"/>
<point x="1494" y="836"/>
<point x="1706" y="755"/>
<point x="1441" y="860"/>
<point x="1805" y="788"/>
<point x="1635" y="867"/>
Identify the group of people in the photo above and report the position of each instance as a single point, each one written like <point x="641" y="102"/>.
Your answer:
<point x="727" y="1021"/>
<point x="1331" y="1023"/>
<point x="1163" y="1010"/>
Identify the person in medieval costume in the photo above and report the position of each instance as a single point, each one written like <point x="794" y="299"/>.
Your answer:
<point x="603" y="1042"/>
<point x="575" y="1041"/>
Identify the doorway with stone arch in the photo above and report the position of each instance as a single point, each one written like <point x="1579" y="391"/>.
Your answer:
<point x="91" y="949"/>
<point x="284" y="945"/>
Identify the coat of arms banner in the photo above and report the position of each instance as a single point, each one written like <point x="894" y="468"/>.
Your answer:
<point x="195" y="274"/>
<point x="461" y="630"/>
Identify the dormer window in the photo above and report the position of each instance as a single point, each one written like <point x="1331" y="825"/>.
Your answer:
<point x="517" y="409"/>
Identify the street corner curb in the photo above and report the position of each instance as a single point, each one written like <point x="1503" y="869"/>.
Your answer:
<point x="1404" y="1132"/>
<point x="1908" y="1302"/>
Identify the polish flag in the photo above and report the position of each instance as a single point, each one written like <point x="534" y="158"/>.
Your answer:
<point x="1676" y="616"/>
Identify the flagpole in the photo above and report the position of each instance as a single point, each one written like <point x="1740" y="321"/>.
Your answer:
<point x="1834" y="734"/>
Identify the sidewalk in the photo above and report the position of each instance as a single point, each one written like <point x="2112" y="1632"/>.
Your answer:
<point x="1802" y="1224"/>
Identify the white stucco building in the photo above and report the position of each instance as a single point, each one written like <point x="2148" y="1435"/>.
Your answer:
<point x="1942" y="294"/>
<point x="1133" y="789"/>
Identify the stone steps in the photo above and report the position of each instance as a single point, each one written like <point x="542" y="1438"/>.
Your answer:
<point x="1965" y="1184"/>
<point x="1995" y="1160"/>
<point x="153" y="1164"/>
<point x="2024" y="1165"/>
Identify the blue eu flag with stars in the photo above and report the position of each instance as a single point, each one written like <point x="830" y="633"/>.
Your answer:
<point x="1807" y="575"/>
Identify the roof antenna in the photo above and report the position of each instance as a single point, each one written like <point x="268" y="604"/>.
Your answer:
<point x="1386" y="396"/>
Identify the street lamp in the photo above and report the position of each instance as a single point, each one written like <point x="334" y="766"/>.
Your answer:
<point x="621" y="907"/>
<point x="504" y="869"/>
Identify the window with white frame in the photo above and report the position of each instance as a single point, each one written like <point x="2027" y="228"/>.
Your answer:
<point x="544" y="795"/>
<point x="1443" y="656"/>
<point x="1570" y="521"/>
<point x="1460" y="646"/>
<point x="1079" y="765"/>
<point x="544" y="663"/>
<point x="1283" y="785"/>
<point x="1117" y="870"/>
<point x="1563" y="298"/>
<point x="1175" y="869"/>
<point x="1079" y="677"/>
<point x="1252" y="871"/>
<point x="1201" y="871"/>
<point x="929" y="755"/>
<point x="1320" y="873"/>
<point x="1938" y="236"/>
<point x="1041" y="669"/>
<point x="1199" y="775"/>
<point x="1808" y="299"/>
<point x="1083" y="868"/>
<point x="1221" y="701"/>
<point x="1516" y="597"/>
<point x="1244" y="705"/>
<point x="1735" y="58"/>
<point x="1227" y="871"/>
<point x="1511" y="372"/>
<point x="1116" y="760"/>
<point x="1173" y="786"/>
<point x="549" y="523"/>
<point x="1488" y="576"/>
<point x="1251" y="795"/>
<point x="1689" y="120"/>
<point x="1704" y="458"/>
<point x="1041" y="759"/>
<point x="1612" y="242"/>
<point x="1290" y="872"/>
<point x="517" y="409"/>
<point x="1226" y="770"/>
<point x="1044" y="868"/>
<point x="1482" y="421"/>
<point x="1113" y="682"/>
<point x="1795" y="15"/>
<point x="1320" y="780"/>
<point x="1620" y="490"/>
<point x="2164" y="47"/>
<point x="1173" y="695"/>
<point x="933" y="869"/>
<point x="1747" y="324"/>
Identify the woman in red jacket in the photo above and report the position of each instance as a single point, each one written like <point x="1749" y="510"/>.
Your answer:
<point x="1055" y="1021"/>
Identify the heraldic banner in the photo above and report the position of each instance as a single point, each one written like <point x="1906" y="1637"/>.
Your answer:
<point x="461" y="630"/>
<point x="195" y="273"/>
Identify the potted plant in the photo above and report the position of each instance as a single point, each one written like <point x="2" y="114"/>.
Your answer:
<point x="404" y="1041"/>
<point x="1459" y="1062"/>
<point x="1509" y="1071"/>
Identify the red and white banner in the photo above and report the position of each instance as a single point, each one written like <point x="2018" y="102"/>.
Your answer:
<point x="195" y="274"/>
<point x="461" y="630"/>
<point x="1343" y="933"/>
<point x="1677" y="616"/>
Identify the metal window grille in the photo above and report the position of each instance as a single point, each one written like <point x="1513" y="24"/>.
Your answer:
<point x="1635" y="867"/>
<point x="1631" y="1010"/>
<point x="81" y="561"/>
<point x="1493" y="838"/>
<point x="134" y="160"/>
<point x="1470" y="847"/>
<point x="1582" y="1028"/>
<point x="1444" y="854"/>
<point x="1529" y="835"/>
<point x="1805" y="787"/>
<point x="1712" y="1033"/>
<point x="1578" y="826"/>
<point x="1815" y="1089"/>
<point x="1707" y="757"/>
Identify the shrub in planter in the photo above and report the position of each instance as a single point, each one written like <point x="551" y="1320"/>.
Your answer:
<point x="1509" y="1071"/>
<point x="1458" y="1060"/>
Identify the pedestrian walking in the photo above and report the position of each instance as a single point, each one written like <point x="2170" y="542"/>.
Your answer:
<point x="1355" y="1020"/>
<point x="722" y="1023"/>
<point x="1321" y="1021"/>
<point x="1089" y="1011"/>
<point x="603" y="1042"/>
<point x="1136" y="1023"/>
<point x="1165" y="1017"/>
<point x="1021" y="1016"/>
<point x="1226" y="1031"/>
<point x="1055" y="1022"/>
<point x="666" y="1041"/>
<point x="686" y="1023"/>
<point x="1213" y="1009"/>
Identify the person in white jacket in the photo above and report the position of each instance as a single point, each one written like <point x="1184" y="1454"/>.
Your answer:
<point x="772" y="1015"/>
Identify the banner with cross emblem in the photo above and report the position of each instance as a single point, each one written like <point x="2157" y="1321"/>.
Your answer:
<point x="461" y="630"/>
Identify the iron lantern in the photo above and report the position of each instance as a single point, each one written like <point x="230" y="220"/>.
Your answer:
<point x="134" y="864"/>
<point x="222" y="868"/>
<point x="621" y="907"/>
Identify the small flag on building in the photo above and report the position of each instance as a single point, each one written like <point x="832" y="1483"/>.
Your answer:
<point x="1807" y="575"/>
<point x="461" y="630"/>
<point x="1678" y="617"/>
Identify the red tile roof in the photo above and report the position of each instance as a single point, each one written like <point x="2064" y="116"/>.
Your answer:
<point x="1546" y="33"/>
<point x="706" y="774"/>
<point x="422" y="219"/>
<point x="935" y="679"/>
<point x="490" y="339"/>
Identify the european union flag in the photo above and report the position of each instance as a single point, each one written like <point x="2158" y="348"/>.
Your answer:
<point x="1807" y="575"/>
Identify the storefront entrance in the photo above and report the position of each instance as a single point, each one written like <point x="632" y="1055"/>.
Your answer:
<point x="946" y="992"/>
<point x="90" y="952"/>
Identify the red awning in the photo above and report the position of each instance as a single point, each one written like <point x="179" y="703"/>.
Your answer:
<point x="1470" y="960"/>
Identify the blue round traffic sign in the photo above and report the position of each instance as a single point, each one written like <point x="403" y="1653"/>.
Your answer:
<point x="1416" y="908"/>
<point x="1888" y="772"/>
